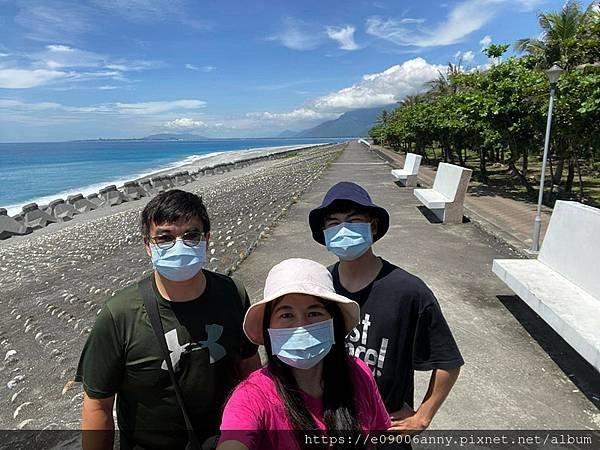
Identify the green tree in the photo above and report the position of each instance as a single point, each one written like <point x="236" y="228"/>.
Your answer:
<point x="559" y="29"/>
<point x="495" y="51"/>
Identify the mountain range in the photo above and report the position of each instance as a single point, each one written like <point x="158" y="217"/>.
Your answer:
<point x="355" y="123"/>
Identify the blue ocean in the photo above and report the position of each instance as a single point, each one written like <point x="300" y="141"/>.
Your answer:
<point x="41" y="172"/>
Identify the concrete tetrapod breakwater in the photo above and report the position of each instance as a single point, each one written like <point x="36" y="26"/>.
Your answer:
<point x="11" y="227"/>
<point x="82" y="205"/>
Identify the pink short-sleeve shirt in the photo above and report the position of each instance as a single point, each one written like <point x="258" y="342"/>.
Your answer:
<point x="255" y="407"/>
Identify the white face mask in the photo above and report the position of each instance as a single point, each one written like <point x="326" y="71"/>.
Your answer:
<point x="349" y="241"/>
<point x="180" y="262"/>
<point x="302" y="347"/>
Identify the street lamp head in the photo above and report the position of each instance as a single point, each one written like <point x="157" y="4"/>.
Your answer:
<point x="554" y="73"/>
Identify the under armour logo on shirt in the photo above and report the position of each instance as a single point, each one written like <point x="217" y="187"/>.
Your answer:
<point x="215" y="350"/>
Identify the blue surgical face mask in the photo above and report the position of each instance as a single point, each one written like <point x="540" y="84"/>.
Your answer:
<point x="348" y="241"/>
<point x="302" y="347"/>
<point x="180" y="262"/>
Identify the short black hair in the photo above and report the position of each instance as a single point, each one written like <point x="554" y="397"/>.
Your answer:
<point x="343" y="207"/>
<point x="174" y="206"/>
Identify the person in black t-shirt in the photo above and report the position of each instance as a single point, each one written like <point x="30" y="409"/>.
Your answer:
<point x="402" y="327"/>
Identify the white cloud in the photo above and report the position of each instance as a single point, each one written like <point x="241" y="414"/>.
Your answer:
<point x="190" y="123"/>
<point x="136" y="65"/>
<point x="158" y="107"/>
<point x="57" y="56"/>
<point x="185" y="123"/>
<point x="297" y="36"/>
<point x="528" y="5"/>
<point x="26" y="78"/>
<point x="302" y="114"/>
<point x="343" y="35"/>
<point x="378" y="89"/>
<point x="485" y="41"/>
<point x="467" y="56"/>
<point x="59" y="62"/>
<point x="47" y="22"/>
<point x="23" y="106"/>
<point x="389" y="86"/>
<point x="284" y="85"/>
<point x="151" y="11"/>
<point x="59" y="48"/>
<point x="141" y="108"/>
<point x="76" y="121"/>
<point x="200" y="69"/>
<point x="463" y="19"/>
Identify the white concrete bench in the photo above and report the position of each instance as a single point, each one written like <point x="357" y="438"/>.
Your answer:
<point x="407" y="176"/>
<point x="446" y="197"/>
<point x="563" y="284"/>
<point x="362" y="141"/>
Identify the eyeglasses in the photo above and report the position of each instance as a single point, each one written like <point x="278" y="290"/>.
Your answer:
<point x="166" y="241"/>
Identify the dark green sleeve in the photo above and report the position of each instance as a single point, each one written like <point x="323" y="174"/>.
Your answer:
<point x="101" y="364"/>
<point x="248" y="348"/>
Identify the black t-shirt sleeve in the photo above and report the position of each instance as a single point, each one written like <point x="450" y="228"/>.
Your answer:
<point x="248" y="349"/>
<point x="101" y="364"/>
<point x="434" y="346"/>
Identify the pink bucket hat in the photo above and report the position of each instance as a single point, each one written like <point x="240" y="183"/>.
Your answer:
<point x="298" y="276"/>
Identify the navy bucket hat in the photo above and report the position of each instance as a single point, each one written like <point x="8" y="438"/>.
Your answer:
<point x="347" y="191"/>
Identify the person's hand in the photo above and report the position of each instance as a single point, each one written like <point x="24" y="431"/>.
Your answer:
<point x="407" y="421"/>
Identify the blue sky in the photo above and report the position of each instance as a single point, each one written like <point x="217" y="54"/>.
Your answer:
<point x="127" y="68"/>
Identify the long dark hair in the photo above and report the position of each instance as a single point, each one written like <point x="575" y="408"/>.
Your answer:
<point x="339" y="407"/>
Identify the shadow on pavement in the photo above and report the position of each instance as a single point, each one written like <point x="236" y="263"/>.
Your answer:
<point x="432" y="218"/>
<point x="579" y="371"/>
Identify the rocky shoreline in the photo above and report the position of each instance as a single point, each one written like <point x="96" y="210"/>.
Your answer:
<point x="56" y="280"/>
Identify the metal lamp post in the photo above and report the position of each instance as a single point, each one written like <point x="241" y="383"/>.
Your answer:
<point x="553" y="74"/>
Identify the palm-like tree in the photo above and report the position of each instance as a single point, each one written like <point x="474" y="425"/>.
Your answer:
<point x="383" y="117"/>
<point x="558" y="31"/>
<point x="442" y="85"/>
<point x="411" y="100"/>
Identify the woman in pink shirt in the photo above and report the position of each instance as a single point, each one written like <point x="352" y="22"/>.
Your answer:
<point x="311" y="391"/>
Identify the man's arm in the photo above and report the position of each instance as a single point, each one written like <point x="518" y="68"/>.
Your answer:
<point x="97" y="423"/>
<point x="249" y="365"/>
<point x="413" y="422"/>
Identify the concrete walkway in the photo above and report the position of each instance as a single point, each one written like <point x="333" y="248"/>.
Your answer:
<point x="508" y="218"/>
<point x="510" y="381"/>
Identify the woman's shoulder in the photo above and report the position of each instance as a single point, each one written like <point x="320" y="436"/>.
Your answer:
<point x="363" y="376"/>
<point x="258" y="386"/>
<point x="360" y="367"/>
<point x="253" y="404"/>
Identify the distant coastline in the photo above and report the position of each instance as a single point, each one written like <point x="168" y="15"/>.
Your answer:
<point x="199" y="139"/>
<point x="41" y="173"/>
<point x="175" y="139"/>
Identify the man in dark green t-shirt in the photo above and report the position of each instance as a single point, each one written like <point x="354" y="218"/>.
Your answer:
<point x="201" y="314"/>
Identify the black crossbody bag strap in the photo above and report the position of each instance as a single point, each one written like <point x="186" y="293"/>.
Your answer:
<point x="151" y="305"/>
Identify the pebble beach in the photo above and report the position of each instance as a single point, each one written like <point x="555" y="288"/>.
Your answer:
<point x="56" y="280"/>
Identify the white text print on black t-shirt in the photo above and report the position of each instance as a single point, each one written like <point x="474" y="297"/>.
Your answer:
<point x="357" y="346"/>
